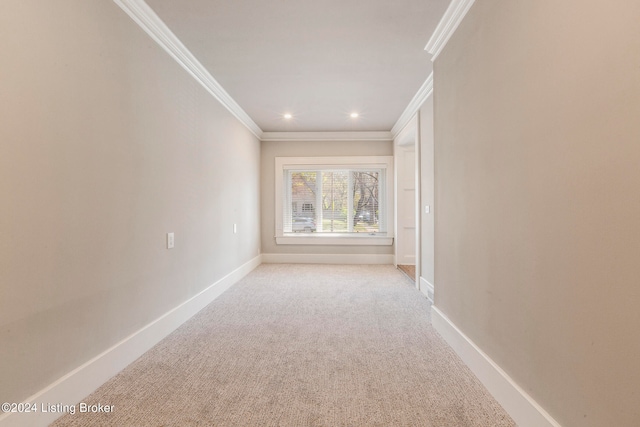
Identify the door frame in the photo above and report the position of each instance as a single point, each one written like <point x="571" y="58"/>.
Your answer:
<point x="409" y="136"/>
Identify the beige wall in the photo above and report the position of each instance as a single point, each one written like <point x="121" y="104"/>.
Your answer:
<point x="106" y="144"/>
<point x="537" y="154"/>
<point x="271" y="150"/>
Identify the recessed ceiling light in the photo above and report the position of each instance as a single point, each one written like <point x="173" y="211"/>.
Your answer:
<point x="354" y="115"/>
<point x="287" y="116"/>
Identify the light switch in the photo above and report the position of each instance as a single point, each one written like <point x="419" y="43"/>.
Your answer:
<point x="427" y="209"/>
<point x="170" y="240"/>
<point x="235" y="228"/>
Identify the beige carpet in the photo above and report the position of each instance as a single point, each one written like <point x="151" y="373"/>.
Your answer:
<point x="302" y="345"/>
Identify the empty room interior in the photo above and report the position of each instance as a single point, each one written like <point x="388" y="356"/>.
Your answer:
<point x="421" y="212"/>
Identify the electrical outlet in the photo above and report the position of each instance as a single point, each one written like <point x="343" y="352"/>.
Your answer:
<point x="170" y="241"/>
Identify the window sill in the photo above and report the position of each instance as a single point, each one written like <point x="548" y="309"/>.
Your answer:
<point x="325" y="239"/>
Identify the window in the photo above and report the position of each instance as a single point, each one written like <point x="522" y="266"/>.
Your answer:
<point x="334" y="200"/>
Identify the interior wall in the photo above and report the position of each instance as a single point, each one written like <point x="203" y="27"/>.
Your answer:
<point x="427" y="189"/>
<point x="106" y="144"/>
<point x="537" y="190"/>
<point x="271" y="150"/>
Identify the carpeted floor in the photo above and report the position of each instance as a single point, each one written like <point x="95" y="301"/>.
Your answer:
<point x="302" y="345"/>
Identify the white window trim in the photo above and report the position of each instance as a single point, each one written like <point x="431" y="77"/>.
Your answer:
<point x="346" y="162"/>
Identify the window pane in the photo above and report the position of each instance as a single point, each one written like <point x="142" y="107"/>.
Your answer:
<point x="366" y="196"/>
<point x="303" y="202"/>
<point x="335" y="201"/>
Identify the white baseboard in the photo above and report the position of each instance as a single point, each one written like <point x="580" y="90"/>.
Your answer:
<point x="426" y="288"/>
<point x="525" y="411"/>
<point x="82" y="381"/>
<point x="327" y="259"/>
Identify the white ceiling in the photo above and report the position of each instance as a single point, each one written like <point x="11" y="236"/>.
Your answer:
<point x="318" y="60"/>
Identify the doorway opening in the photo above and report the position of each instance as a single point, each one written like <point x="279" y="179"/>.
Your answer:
<point x="406" y="154"/>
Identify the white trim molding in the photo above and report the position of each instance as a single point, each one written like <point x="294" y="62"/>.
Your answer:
<point x="332" y="239"/>
<point x="418" y="99"/>
<point x="426" y="288"/>
<point x="82" y="381"/>
<point x="447" y="26"/>
<point x="147" y="19"/>
<point x="328" y="259"/>
<point x="327" y="136"/>
<point x="525" y="411"/>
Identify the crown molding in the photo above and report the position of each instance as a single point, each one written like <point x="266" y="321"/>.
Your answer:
<point x="327" y="136"/>
<point x="147" y="19"/>
<point x="423" y="93"/>
<point x="447" y="26"/>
